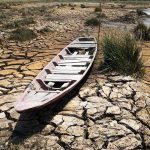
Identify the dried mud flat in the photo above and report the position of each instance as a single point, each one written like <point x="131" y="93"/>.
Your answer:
<point x="107" y="112"/>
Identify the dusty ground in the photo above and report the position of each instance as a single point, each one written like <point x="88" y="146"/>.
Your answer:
<point x="109" y="112"/>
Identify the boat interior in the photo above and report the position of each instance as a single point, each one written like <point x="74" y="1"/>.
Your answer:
<point x="67" y="67"/>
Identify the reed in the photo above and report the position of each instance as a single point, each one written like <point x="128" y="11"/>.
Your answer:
<point x="122" y="54"/>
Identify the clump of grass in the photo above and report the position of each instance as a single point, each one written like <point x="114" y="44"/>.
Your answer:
<point x="140" y="12"/>
<point x="22" y="34"/>
<point x="98" y="9"/>
<point x="122" y="5"/>
<point x="82" y="6"/>
<point x="19" y="23"/>
<point x="101" y="15"/>
<point x="92" y="22"/>
<point x="71" y="5"/>
<point x="142" y="32"/>
<point x="122" y="54"/>
<point x="45" y="30"/>
<point x="62" y="5"/>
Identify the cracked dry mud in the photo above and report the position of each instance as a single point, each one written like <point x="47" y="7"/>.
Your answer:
<point x="108" y="112"/>
<point x="111" y="112"/>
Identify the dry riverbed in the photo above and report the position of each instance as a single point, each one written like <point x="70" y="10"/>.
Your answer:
<point x="107" y="112"/>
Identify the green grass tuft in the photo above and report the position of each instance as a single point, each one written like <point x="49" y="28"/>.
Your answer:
<point x="98" y="9"/>
<point x="22" y="34"/>
<point x="140" y="12"/>
<point x="92" y="22"/>
<point x="122" y="54"/>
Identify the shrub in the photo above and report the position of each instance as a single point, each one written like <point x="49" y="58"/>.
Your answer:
<point x="92" y="22"/>
<point x="98" y="9"/>
<point x="71" y="5"/>
<point x="142" y="32"/>
<point x="22" y="34"/>
<point x="19" y="23"/>
<point x="83" y="6"/>
<point x="122" y="54"/>
<point x="140" y="12"/>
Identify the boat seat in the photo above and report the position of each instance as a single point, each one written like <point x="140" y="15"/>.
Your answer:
<point x="57" y="80"/>
<point x="63" y="77"/>
<point x="74" y="64"/>
<point x="74" y="61"/>
<point x="56" y="71"/>
<point x="79" y="45"/>
<point x="69" y="68"/>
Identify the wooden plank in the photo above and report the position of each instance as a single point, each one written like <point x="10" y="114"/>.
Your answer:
<point x="69" y="68"/>
<point x="64" y="76"/>
<point x="73" y="64"/>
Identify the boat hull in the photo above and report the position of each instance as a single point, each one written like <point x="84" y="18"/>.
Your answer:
<point x="26" y="104"/>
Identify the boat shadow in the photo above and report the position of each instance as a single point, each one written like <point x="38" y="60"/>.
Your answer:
<point x="33" y="122"/>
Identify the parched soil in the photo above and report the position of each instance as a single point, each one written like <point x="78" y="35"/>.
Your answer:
<point x="104" y="112"/>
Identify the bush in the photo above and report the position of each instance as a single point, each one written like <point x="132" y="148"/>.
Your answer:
<point x="22" y="34"/>
<point x="142" y="32"/>
<point x="140" y="12"/>
<point x="92" y="22"/>
<point x="19" y="23"/>
<point x="98" y="9"/>
<point x="122" y="55"/>
<point x="122" y="5"/>
<point x="83" y="6"/>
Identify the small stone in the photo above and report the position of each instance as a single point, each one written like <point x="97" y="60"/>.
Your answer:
<point x="115" y="110"/>
<point x="51" y="140"/>
<point x="147" y="140"/>
<point x="143" y="114"/>
<point x="126" y="143"/>
<point x="72" y="121"/>
<point x="18" y="62"/>
<point x="73" y="104"/>
<point x="67" y="139"/>
<point x="106" y="90"/>
<point x="2" y="115"/>
<point x="48" y="129"/>
<point x="132" y="123"/>
<point x="4" y="83"/>
<point x="75" y="131"/>
<point x="7" y="72"/>
<point x="58" y="119"/>
<point x="36" y="66"/>
<point x="4" y="124"/>
<point x="88" y="91"/>
<point x="114" y="95"/>
<point x="29" y="73"/>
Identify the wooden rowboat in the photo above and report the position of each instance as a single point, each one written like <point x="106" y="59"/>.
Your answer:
<point x="60" y="76"/>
